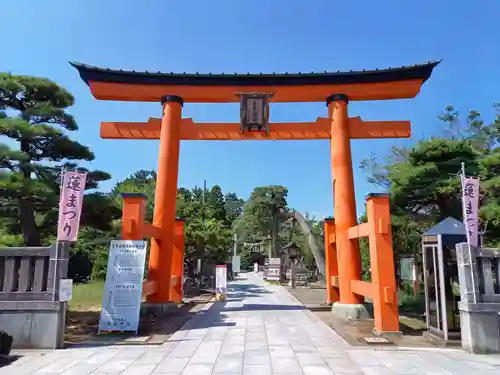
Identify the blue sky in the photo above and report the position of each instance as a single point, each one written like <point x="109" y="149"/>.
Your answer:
<point x="40" y="37"/>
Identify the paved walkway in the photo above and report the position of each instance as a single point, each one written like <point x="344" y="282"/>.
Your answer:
<point x="261" y="330"/>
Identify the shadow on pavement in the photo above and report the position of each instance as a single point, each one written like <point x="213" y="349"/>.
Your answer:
<point x="264" y="307"/>
<point x="6" y="360"/>
<point x="240" y="296"/>
<point x="216" y="315"/>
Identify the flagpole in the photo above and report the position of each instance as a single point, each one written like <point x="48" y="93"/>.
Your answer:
<point x="61" y="184"/>
<point x="464" y="218"/>
<point x="464" y="209"/>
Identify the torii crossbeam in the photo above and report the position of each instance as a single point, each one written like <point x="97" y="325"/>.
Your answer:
<point x="320" y="129"/>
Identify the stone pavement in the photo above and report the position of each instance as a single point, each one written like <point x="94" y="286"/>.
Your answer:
<point x="260" y="330"/>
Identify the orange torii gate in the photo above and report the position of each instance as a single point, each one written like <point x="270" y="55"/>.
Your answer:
<point x="254" y="92"/>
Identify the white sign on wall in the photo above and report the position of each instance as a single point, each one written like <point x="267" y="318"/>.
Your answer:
<point x="121" y="302"/>
<point x="65" y="290"/>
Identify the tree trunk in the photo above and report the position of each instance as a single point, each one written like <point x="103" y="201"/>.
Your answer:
<point x="294" y="274"/>
<point x="311" y="240"/>
<point x="28" y="224"/>
<point x="26" y="206"/>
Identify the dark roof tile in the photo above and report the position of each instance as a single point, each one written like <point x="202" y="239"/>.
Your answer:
<point x="91" y="73"/>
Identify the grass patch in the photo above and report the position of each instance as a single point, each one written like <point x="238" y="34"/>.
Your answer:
<point x="87" y="296"/>
<point x="273" y="282"/>
<point x="413" y="323"/>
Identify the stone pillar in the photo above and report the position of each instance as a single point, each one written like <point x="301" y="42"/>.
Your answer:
<point x="479" y="320"/>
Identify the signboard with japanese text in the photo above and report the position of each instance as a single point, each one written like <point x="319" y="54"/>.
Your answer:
<point x="70" y="205"/>
<point x="221" y="280"/>
<point x="272" y="271"/>
<point x="121" y="302"/>
<point x="470" y="201"/>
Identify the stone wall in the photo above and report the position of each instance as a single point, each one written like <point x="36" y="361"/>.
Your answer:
<point x="30" y="310"/>
<point x="479" y="277"/>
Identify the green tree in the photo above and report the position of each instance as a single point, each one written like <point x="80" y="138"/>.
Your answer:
<point x="142" y="181"/>
<point x="33" y="118"/>
<point x="208" y="225"/>
<point x="261" y="213"/>
<point x="424" y="183"/>
<point x="233" y="206"/>
<point x="216" y="203"/>
<point x="428" y="186"/>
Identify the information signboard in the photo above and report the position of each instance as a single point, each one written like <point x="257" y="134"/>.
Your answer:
<point x="121" y="303"/>
<point x="236" y="263"/>
<point x="220" y="281"/>
<point x="406" y="269"/>
<point x="273" y="270"/>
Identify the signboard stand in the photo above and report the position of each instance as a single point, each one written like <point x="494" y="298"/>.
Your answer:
<point x="236" y="264"/>
<point x="121" y="304"/>
<point x="272" y="271"/>
<point x="220" y="282"/>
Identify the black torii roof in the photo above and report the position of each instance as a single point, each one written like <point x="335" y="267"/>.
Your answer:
<point x="90" y="73"/>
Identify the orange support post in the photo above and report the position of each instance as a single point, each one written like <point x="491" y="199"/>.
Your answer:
<point x="332" y="269"/>
<point x="160" y="256"/>
<point x="176" y="292"/>
<point x="148" y="288"/>
<point x="385" y="299"/>
<point x="349" y="260"/>
<point x="134" y="208"/>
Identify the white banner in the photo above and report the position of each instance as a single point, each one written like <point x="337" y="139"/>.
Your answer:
<point x="236" y="263"/>
<point x="470" y="201"/>
<point x="70" y="205"/>
<point x="121" y="302"/>
<point x="221" y="279"/>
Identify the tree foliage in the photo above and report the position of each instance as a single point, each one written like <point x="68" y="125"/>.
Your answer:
<point x="34" y="125"/>
<point x="424" y="181"/>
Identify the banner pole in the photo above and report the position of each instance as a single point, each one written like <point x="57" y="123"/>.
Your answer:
<point x="464" y="218"/>
<point x="61" y="185"/>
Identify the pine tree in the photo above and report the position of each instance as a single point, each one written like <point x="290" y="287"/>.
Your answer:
<point x="33" y="121"/>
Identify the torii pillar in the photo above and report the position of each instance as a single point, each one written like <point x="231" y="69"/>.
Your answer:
<point x="348" y="255"/>
<point x="160" y="256"/>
